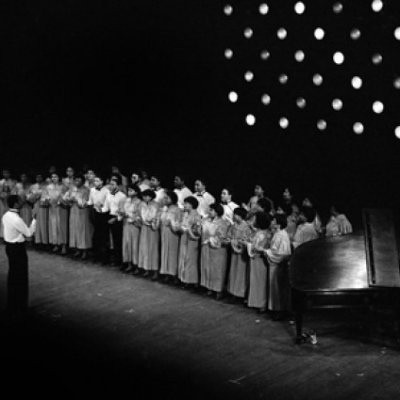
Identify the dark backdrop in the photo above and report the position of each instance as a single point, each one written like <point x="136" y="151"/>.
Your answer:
<point x="145" y="83"/>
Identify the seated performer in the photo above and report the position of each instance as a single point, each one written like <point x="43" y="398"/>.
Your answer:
<point x="338" y="223"/>
<point x="278" y="275"/>
<point x="306" y="229"/>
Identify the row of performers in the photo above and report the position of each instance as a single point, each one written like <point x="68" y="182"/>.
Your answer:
<point x="216" y="246"/>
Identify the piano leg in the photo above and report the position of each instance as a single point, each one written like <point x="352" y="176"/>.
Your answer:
<point x="298" y="306"/>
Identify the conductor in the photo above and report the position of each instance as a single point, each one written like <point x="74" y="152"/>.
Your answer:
<point x="15" y="232"/>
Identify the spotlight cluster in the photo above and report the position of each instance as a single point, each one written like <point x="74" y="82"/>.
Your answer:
<point x="332" y="71"/>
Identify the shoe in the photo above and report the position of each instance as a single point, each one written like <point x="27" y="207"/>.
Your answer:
<point x="55" y="249"/>
<point x="84" y="256"/>
<point x="155" y="276"/>
<point x="129" y="269"/>
<point x="146" y="274"/>
<point x="219" y="296"/>
<point x="64" y="250"/>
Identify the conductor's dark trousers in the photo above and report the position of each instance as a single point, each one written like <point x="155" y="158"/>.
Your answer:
<point x="17" y="281"/>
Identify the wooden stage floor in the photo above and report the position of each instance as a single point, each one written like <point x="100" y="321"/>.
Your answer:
<point x="95" y="330"/>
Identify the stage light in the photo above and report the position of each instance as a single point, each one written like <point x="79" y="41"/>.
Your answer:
<point x="356" y="82"/>
<point x="248" y="33"/>
<point x="228" y="54"/>
<point x="283" y="78"/>
<point x="321" y="124"/>
<point x="228" y="9"/>
<point x="377" y="5"/>
<point x="248" y="76"/>
<point x="266" y="99"/>
<point x="263" y="8"/>
<point x="376" y="59"/>
<point x="358" y="128"/>
<point x="338" y="58"/>
<point x="396" y="83"/>
<point x="319" y="33"/>
<point x="284" y="122"/>
<point x="337" y="104"/>
<point x="397" y="132"/>
<point x="265" y="54"/>
<point x="299" y="55"/>
<point x="355" y="34"/>
<point x="282" y="33"/>
<point x="233" y="97"/>
<point x="250" y="119"/>
<point x="299" y="7"/>
<point x="377" y="107"/>
<point x="397" y="33"/>
<point x="317" y="79"/>
<point x="337" y="8"/>
<point x="301" y="102"/>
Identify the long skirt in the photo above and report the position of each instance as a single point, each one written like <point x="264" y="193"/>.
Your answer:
<point x="130" y="243"/>
<point x="169" y="251"/>
<point x="188" y="268"/>
<point x="214" y="263"/>
<point x="3" y="209"/>
<point x="149" y="248"/>
<point x="237" y="281"/>
<point x="258" y="283"/>
<point x="42" y="224"/>
<point x="279" y="287"/>
<point x="26" y="213"/>
<point x="80" y="228"/>
<point x="58" y="225"/>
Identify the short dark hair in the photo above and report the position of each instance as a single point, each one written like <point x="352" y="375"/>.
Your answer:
<point x="136" y="188"/>
<point x="150" y="193"/>
<point x="116" y="178"/>
<point x="286" y="208"/>
<point x="12" y="200"/>
<point x="309" y="213"/>
<point x="192" y="201"/>
<point x="241" y="212"/>
<point x="263" y="220"/>
<point x="172" y="195"/>
<point x="281" y="220"/>
<point x="218" y="209"/>
<point x="229" y="189"/>
<point x="265" y="204"/>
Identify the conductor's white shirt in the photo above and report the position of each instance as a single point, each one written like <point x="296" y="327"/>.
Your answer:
<point x="15" y="229"/>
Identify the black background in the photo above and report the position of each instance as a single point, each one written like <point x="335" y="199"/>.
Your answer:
<point x="145" y="83"/>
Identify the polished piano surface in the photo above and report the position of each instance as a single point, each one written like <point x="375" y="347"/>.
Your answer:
<point x="346" y="271"/>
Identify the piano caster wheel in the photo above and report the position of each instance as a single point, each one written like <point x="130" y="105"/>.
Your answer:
<point x="301" y="339"/>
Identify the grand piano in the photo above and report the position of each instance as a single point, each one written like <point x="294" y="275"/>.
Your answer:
<point x="354" y="270"/>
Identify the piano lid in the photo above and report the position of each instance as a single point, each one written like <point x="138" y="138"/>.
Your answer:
<point x="381" y="248"/>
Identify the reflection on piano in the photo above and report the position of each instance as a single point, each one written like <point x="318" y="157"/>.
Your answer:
<point x="347" y="271"/>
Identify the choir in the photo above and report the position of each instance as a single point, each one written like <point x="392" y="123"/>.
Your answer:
<point x="186" y="237"/>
